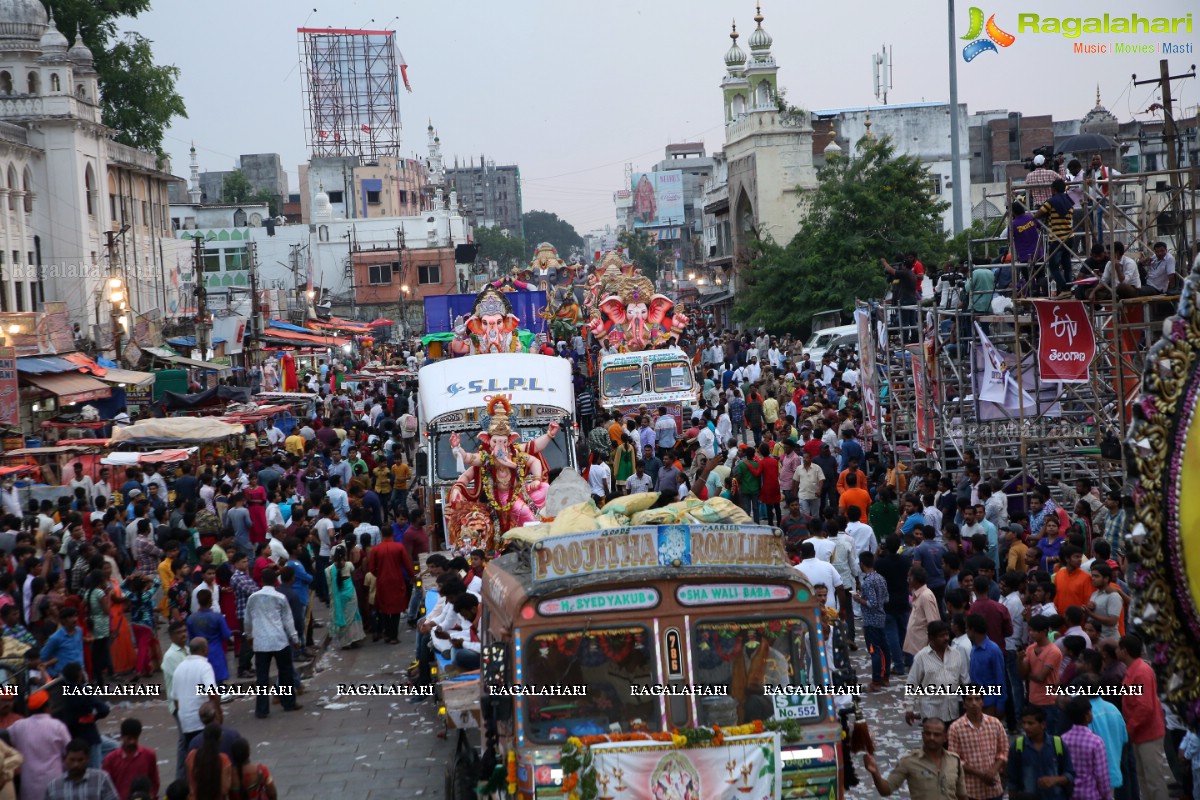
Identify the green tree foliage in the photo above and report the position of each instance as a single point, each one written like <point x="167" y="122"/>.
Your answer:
<point x="874" y="204"/>
<point x="268" y="197"/>
<point x="495" y="245"/>
<point x="138" y="94"/>
<point x="642" y="252"/>
<point x="543" y="226"/>
<point x="236" y="188"/>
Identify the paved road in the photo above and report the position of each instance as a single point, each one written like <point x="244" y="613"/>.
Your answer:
<point x="379" y="747"/>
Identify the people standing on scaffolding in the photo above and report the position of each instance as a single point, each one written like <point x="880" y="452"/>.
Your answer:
<point x="1100" y="184"/>
<point x="1057" y="210"/>
<point x="1124" y="284"/>
<point x="904" y="294"/>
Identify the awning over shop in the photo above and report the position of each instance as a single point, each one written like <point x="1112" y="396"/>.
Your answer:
<point x="715" y="298"/>
<point x="167" y="355"/>
<point x="339" y="324"/>
<point x="44" y="365"/>
<point x="176" y="430"/>
<point x="190" y="341"/>
<point x="71" y="387"/>
<point x="284" y="336"/>
<point x="154" y="457"/>
<point x="127" y="377"/>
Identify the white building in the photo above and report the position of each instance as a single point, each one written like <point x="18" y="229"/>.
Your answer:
<point x="920" y="130"/>
<point x="765" y="172"/>
<point x="65" y="186"/>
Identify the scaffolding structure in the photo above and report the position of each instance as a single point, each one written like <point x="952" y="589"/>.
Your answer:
<point x="351" y="92"/>
<point x="933" y="357"/>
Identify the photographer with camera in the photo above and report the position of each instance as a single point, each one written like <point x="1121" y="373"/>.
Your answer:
<point x="904" y="292"/>
<point x="1040" y="176"/>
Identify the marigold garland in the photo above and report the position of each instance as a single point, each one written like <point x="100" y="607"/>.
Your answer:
<point x="489" y="489"/>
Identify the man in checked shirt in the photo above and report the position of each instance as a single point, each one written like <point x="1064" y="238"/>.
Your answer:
<point x="982" y="745"/>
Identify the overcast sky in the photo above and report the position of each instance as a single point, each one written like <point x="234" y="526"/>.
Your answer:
<point x="572" y="91"/>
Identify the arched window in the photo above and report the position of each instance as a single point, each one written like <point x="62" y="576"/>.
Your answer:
<point x="763" y="97"/>
<point x="239" y="218"/>
<point x="34" y="83"/>
<point x="6" y="85"/>
<point x="738" y="106"/>
<point x="27" y="185"/>
<point x="81" y="92"/>
<point x="13" y="187"/>
<point x="89" y="187"/>
<point x="55" y="83"/>
<point x="323" y="233"/>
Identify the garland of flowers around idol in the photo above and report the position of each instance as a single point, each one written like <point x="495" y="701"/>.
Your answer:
<point x="489" y="488"/>
<point x="578" y="763"/>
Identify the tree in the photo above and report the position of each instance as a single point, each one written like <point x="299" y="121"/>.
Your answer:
<point x="543" y="226"/>
<point x="236" y="188"/>
<point x="139" y="96"/>
<point x="496" y="245"/>
<point x="642" y="252"/>
<point x="870" y="205"/>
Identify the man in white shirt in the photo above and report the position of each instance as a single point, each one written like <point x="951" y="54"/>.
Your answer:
<point x="79" y="480"/>
<point x="10" y="499"/>
<point x="706" y="439"/>
<point x="274" y="435"/>
<point x="152" y="476"/>
<point x="819" y="572"/>
<point x="272" y="633"/>
<point x="190" y="691"/>
<point x="325" y="527"/>
<point x="862" y="533"/>
<point x="850" y="377"/>
<point x="639" y="481"/>
<point x="1129" y="280"/>
<point x="600" y="481"/>
<point x="828" y="369"/>
<point x="1160" y="270"/>
<point x="1101" y="176"/>
<point x="822" y="545"/>
<point x="933" y="515"/>
<point x="753" y="370"/>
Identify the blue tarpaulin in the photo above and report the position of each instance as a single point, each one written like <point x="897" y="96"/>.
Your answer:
<point x="190" y="341"/>
<point x="287" y="326"/>
<point x="440" y="312"/>
<point x="45" y="365"/>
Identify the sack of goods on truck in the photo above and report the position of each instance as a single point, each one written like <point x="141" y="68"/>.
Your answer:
<point x="636" y="510"/>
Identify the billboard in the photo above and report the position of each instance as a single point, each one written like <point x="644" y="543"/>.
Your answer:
<point x="657" y="199"/>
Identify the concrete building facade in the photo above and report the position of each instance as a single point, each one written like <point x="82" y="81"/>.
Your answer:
<point x="490" y="194"/>
<point x="66" y="187"/>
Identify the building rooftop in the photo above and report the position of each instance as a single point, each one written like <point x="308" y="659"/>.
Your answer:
<point x="890" y="107"/>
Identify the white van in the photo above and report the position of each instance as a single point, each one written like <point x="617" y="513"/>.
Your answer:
<point x="819" y="342"/>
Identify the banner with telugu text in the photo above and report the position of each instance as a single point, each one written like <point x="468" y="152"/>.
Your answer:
<point x="1066" y="341"/>
<point x="745" y="766"/>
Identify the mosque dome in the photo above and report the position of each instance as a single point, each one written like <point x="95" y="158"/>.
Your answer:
<point x="53" y="44"/>
<point x="22" y="20"/>
<point x="322" y="208"/>
<point x="80" y="53"/>
<point x="1100" y="120"/>
<point x="759" y="38"/>
<point x="734" y="56"/>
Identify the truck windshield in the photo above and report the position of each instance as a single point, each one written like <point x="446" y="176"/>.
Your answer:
<point x="622" y="381"/>
<point x="749" y="657"/>
<point x="609" y="661"/>
<point x="557" y="454"/>
<point x="672" y="376"/>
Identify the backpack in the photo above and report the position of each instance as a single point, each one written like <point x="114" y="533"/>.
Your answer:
<point x="1058" y="751"/>
<point x="208" y="523"/>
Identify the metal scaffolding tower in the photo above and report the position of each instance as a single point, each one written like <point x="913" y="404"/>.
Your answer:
<point x="933" y="358"/>
<point x="351" y="92"/>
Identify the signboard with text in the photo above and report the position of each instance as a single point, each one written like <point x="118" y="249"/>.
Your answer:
<point x="1066" y="342"/>
<point x="10" y="406"/>
<point x="644" y="546"/>
<point x="658" y="199"/>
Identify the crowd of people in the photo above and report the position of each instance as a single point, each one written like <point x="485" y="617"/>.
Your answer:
<point x="1020" y="608"/>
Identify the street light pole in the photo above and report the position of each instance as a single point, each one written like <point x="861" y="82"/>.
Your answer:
<point x="955" y="145"/>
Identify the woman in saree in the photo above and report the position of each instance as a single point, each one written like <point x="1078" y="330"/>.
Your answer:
<point x="124" y="654"/>
<point x="345" y="620"/>
<point x="358" y="560"/>
<point x="256" y="504"/>
<point x="140" y="589"/>
<point x="623" y="459"/>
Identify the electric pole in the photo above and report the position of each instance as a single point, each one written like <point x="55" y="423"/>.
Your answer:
<point x="1169" y="139"/>
<point x="201" y="299"/>
<point x="255" y="318"/>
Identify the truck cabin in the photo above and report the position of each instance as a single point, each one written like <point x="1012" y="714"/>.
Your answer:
<point x="654" y="648"/>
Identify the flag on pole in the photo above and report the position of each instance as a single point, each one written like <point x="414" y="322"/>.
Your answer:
<point x="403" y="69"/>
<point x="366" y="128"/>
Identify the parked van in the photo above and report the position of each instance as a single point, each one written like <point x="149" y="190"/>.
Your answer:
<point x="820" y="341"/>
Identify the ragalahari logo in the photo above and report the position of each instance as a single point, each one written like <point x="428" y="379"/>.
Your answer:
<point x="995" y="36"/>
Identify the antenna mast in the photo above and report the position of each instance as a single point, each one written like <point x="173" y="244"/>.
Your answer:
<point x="881" y="65"/>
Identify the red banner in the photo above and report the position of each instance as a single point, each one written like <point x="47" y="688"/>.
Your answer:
<point x="922" y="400"/>
<point x="1066" y="342"/>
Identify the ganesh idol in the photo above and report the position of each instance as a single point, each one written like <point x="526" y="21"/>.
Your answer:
<point x="510" y="478"/>
<point x="491" y="328"/>
<point x="636" y="318"/>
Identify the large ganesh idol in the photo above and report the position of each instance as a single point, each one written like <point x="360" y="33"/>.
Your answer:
<point x="634" y="317"/>
<point x="509" y="478"/>
<point x="491" y="328"/>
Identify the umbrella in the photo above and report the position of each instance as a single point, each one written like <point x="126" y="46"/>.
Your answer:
<point x="380" y="323"/>
<point x="1083" y="142"/>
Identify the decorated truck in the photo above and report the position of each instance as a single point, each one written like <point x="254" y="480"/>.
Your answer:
<point x="677" y="660"/>
<point x="649" y="378"/>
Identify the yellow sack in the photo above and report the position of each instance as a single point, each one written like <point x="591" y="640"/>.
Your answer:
<point x="611" y="520"/>
<point x="631" y="504"/>
<point x="576" y="519"/>
<point x="657" y="516"/>
<point x="721" y="509"/>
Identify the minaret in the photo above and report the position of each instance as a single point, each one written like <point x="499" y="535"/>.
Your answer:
<point x="194" y="193"/>
<point x="437" y="169"/>
<point x="734" y="86"/>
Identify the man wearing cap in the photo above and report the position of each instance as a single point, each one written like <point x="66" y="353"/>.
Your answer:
<point x="41" y="739"/>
